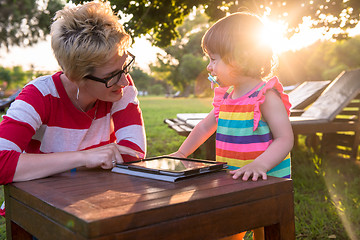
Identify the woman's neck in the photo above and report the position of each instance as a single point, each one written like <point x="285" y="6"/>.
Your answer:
<point x="78" y="96"/>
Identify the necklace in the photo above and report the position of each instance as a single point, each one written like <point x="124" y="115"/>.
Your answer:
<point x="78" y="105"/>
<point x="92" y="119"/>
<point x="68" y="85"/>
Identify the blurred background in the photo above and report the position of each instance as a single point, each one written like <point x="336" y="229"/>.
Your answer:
<point x="313" y="40"/>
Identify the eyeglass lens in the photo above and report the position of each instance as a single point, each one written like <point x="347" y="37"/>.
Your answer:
<point x="128" y="65"/>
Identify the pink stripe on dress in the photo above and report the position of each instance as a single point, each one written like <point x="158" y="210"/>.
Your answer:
<point x="253" y="147"/>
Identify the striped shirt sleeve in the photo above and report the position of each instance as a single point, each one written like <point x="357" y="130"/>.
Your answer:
<point x="17" y="128"/>
<point x="128" y="121"/>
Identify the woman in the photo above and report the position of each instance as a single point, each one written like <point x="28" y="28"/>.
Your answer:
<point x="87" y="115"/>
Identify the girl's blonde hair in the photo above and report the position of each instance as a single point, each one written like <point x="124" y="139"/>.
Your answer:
<point x="237" y="38"/>
<point x="85" y="37"/>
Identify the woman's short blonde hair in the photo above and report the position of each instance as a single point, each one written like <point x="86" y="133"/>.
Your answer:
<point x="237" y="39"/>
<point x="85" y="37"/>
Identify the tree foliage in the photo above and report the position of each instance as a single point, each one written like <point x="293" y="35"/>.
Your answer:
<point x="184" y="60"/>
<point x="161" y="18"/>
<point x="324" y="60"/>
<point x="24" y="22"/>
<point x="15" y="77"/>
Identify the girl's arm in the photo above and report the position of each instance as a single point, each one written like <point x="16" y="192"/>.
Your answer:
<point x="201" y="132"/>
<point x="274" y="112"/>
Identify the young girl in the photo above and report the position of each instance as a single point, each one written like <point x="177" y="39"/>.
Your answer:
<point x="251" y="115"/>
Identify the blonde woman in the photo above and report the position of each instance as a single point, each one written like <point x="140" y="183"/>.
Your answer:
<point x="86" y="115"/>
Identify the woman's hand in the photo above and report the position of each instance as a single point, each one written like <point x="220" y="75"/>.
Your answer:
<point x="253" y="169"/>
<point x="108" y="156"/>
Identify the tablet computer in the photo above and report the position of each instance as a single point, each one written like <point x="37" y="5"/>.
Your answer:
<point x="173" y="166"/>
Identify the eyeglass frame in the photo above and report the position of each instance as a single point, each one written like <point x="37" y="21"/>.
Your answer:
<point x="108" y="79"/>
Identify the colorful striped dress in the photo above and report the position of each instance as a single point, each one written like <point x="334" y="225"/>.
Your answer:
<point x="242" y="135"/>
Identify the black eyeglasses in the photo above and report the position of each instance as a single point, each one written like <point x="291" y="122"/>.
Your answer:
<point x="114" y="79"/>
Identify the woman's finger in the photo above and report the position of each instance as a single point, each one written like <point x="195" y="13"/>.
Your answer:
<point x="117" y="156"/>
<point x="129" y="151"/>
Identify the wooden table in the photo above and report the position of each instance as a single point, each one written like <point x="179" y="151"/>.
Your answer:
<point x="99" y="204"/>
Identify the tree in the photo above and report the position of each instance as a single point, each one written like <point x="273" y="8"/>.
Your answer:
<point x="324" y="60"/>
<point x="161" y="18"/>
<point x="184" y="59"/>
<point x="15" y="77"/>
<point x="24" y="22"/>
<point x="145" y="83"/>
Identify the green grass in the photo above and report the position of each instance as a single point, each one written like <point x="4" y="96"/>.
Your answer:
<point x="161" y="139"/>
<point x="316" y="214"/>
<point x="326" y="189"/>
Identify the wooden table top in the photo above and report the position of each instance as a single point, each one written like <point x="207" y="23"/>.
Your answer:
<point x="98" y="202"/>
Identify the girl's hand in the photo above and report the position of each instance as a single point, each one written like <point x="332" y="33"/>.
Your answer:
<point x="253" y="169"/>
<point x="177" y="154"/>
<point x="108" y="156"/>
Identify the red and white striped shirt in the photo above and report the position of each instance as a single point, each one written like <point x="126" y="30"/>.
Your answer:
<point x="43" y="119"/>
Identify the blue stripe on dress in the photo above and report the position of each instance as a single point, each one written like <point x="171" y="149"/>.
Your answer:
<point x="284" y="164"/>
<point x="242" y="131"/>
<point x="244" y="139"/>
<point x="239" y="123"/>
<point x="254" y="94"/>
<point x="282" y="170"/>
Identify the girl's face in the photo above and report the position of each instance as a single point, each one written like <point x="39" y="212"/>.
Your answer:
<point x="221" y="70"/>
<point x="98" y="90"/>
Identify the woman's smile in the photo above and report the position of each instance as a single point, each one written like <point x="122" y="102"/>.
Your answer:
<point x="118" y="91"/>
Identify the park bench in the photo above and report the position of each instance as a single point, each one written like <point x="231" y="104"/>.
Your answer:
<point x="335" y="114"/>
<point x="305" y="94"/>
<point x="330" y="123"/>
<point x="5" y="102"/>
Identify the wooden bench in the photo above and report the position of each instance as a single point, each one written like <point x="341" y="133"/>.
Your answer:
<point x="5" y="102"/>
<point x="304" y="95"/>
<point x="335" y="115"/>
<point x="184" y="123"/>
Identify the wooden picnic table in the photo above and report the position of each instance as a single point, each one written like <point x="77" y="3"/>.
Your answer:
<point x="100" y="204"/>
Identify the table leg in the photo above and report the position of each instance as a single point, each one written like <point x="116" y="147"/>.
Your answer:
<point x="210" y="147"/>
<point x="17" y="232"/>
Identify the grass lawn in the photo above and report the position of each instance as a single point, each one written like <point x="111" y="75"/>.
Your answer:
<point x="326" y="190"/>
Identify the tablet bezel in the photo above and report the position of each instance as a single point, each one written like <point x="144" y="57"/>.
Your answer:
<point x="192" y="171"/>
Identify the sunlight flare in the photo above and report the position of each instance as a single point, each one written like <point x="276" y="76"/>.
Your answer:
<point x="275" y="33"/>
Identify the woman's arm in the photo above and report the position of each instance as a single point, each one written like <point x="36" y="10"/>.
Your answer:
<point x="32" y="166"/>
<point x="128" y="121"/>
<point x="201" y="132"/>
<point x="274" y="112"/>
<point x="25" y="116"/>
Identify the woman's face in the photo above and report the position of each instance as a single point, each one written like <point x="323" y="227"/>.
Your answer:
<point x="98" y="90"/>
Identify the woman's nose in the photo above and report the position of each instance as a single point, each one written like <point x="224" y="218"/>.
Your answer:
<point x="123" y="82"/>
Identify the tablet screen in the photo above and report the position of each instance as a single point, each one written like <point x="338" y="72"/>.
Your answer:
<point x="173" y="165"/>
